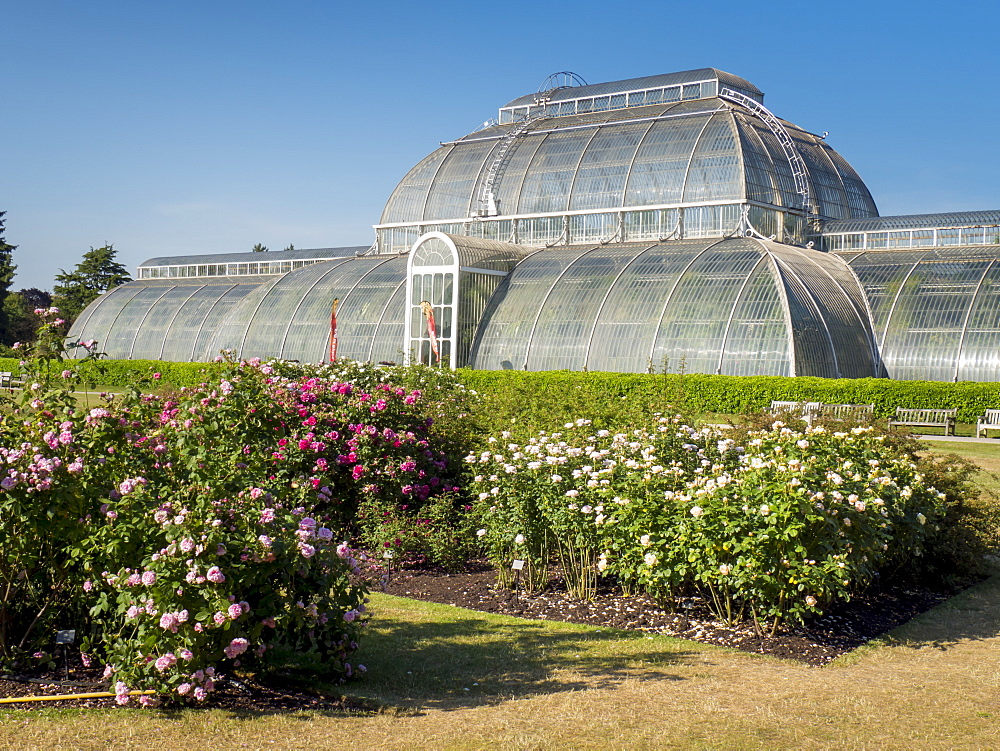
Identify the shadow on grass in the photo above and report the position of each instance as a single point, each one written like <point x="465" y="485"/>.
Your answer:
<point x="973" y="615"/>
<point x="421" y="655"/>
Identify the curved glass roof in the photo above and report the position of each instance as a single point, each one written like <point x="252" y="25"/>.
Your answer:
<point x="739" y="306"/>
<point x="935" y="311"/>
<point x="915" y="221"/>
<point x="691" y="152"/>
<point x="290" y="316"/>
<point x="160" y="319"/>
<point x="286" y="316"/>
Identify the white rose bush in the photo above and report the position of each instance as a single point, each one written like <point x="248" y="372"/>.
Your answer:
<point x="775" y="530"/>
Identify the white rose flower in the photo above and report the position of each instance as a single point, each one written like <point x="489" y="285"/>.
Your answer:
<point x="697" y="511"/>
<point x="650" y="559"/>
<point x="644" y="541"/>
<point x="480" y="533"/>
<point x="519" y="540"/>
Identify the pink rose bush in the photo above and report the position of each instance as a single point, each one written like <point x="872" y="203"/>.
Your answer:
<point x="205" y="527"/>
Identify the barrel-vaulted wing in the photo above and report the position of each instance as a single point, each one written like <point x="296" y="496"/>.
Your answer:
<point x="936" y="311"/>
<point x="739" y="306"/>
<point x="286" y="315"/>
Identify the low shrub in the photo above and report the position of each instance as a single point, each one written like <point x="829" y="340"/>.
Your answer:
<point x="778" y="528"/>
<point x="545" y="400"/>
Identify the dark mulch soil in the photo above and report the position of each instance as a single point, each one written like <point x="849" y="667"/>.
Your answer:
<point x="843" y="628"/>
<point x="237" y="695"/>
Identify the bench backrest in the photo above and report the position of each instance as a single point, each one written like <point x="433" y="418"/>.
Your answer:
<point x="925" y="415"/>
<point x="991" y="416"/>
<point x="849" y="411"/>
<point x="799" y="408"/>
<point x="777" y="406"/>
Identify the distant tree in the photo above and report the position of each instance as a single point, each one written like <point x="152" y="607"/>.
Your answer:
<point x="20" y="307"/>
<point x="93" y="276"/>
<point x="290" y="247"/>
<point x="36" y="298"/>
<point x="7" y="269"/>
<point x="258" y="248"/>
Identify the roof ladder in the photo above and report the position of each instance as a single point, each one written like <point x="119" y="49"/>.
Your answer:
<point x="800" y="173"/>
<point x="487" y="200"/>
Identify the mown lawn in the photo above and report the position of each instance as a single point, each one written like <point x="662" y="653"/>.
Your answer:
<point x="456" y="679"/>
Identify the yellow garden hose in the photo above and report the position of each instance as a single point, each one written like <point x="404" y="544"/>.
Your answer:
<point x="60" y="697"/>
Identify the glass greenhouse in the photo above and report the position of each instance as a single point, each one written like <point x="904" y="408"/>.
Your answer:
<point x="660" y="223"/>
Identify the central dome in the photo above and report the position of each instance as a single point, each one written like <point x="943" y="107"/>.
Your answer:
<point x="683" y="139"/>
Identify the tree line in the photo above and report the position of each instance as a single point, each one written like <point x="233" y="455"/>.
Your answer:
<point x="97" y="272"/>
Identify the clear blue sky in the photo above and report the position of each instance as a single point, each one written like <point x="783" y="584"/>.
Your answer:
<point x="198" y="127"/>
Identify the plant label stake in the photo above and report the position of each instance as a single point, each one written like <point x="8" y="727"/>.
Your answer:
<point x="388" y="555"/>
<point x="517" y="565"/>
<point x="63" y="638"/>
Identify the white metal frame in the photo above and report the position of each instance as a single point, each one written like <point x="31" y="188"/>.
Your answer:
<point x="515" y="112"/>
<point x="453" y="268"/>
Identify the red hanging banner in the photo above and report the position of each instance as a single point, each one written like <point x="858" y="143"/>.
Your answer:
<point x="428" y="312"/>
<point x="333" y="330"/>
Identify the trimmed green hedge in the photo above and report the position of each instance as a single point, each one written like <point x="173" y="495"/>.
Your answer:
<point x="539" y="399"/>
<point x="568" y="395"/>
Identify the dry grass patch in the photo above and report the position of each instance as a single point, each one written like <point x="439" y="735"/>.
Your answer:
<point x="934" y="683"/>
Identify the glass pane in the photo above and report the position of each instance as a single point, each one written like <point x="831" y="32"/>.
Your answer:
<point x="600" y="180"/>
<point x="549" y="180"/>
<point x="661" y="162"/>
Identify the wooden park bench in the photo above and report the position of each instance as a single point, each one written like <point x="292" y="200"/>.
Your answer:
<point x="926" y="418"/>
<point x="811" y="410"/>
<point x="6" y="380"/>
<point x="851" y="412"/>
<point x="806" y="410"/>
<point x="990" y="420"/>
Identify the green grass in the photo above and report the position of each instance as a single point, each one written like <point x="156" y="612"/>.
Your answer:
<point x="986" y="455"/>
<point x="430" y="655"/>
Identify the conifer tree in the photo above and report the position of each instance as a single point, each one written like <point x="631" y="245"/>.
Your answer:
<point x="7" y="269"/>
<point x="97" y="273"/>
